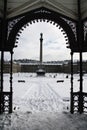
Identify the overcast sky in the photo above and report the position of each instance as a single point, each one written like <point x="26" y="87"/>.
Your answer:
<point x="54" y="44"/>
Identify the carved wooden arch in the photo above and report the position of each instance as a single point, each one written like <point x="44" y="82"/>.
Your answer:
<point x="42" y="14"/>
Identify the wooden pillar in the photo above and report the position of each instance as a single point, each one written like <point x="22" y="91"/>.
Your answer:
<point x="72" y="99"/>
<point x="11" y="77"/>
<point x="3" y="41"/>
<point x="2" y="68"/>
<point x="80" y="42"/>
<point x="11" y="68"/>
<point x="81" y="86"/>
<point x="1" y="91"/>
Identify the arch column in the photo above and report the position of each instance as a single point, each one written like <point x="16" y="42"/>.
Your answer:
<point x="11" y="89"/>
<point x="2" y="68"/>
<point x="72" y="99"/>
<point x="1" y="89"/>
<point x="80" y="35"/>
<point x="3" y="40"/>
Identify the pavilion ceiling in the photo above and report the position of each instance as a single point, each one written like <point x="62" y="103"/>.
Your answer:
<point x="68" y="8"/>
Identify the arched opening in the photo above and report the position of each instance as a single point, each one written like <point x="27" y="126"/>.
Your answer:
<point x="54" y="44"/>
<point x="56" y="51"/>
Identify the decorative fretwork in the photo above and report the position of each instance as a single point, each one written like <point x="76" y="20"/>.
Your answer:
<point x="72" y="25"/>
<point x="42" y="11"/>
<point x="85" y="102"/>
<point x="75" y="102"/>
<point x="79" y="106"/>
<point x="5" y="102"/>
<point x="12" y="23"/>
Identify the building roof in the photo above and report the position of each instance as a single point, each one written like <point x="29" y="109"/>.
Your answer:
<point x="67" y="8"/>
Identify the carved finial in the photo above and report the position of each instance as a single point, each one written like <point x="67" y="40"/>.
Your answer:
<point x="41" y="34"/>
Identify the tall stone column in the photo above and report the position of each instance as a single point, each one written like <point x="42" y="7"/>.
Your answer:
<point x="41" y="47"/>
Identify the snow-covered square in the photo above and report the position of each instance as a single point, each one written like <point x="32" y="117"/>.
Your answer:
<point x="42" y="103"/>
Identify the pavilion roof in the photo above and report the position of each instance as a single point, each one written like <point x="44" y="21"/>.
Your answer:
<point x="67" y="8"/>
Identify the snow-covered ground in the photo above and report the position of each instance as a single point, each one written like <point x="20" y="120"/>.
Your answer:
<point x="42" y="103"/>
<point x="38" y="93"/>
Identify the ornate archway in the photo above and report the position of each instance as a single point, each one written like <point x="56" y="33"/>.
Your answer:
<point x="44" y="15"/>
